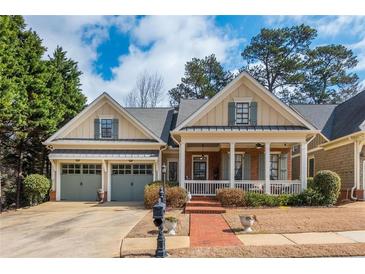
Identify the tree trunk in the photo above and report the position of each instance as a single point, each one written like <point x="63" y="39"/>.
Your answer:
<point x="19" y="177"/>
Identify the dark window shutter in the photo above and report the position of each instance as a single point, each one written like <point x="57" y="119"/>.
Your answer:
<point x="231" y="113"/>
<point x="253" y="113"/>
<point x="115" y="128"/>
<point x="247" y="167"/>
<point x="261" y="166"/>
<point x="97" y="129"/>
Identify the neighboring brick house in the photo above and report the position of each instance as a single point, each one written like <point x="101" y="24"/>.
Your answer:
<point x="340" y="146"/>
<point x="241" y="138"/>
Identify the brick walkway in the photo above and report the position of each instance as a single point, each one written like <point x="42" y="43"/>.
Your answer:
<point x="209" y="230"/>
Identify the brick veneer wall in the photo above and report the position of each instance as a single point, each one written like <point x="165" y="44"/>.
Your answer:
<point x="339" y="160"/>
<point x="214" y="159"/>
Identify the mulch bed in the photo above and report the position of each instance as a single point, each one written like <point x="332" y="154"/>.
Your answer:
<point x="302" y="219"/>
<point x="146" y="228"/>
<point x="288" y="251"/>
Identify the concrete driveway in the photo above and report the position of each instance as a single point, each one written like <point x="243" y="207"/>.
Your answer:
<point x="68" y="229"/>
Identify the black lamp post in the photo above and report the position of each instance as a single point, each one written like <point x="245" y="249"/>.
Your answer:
<point x="164" y="182"/>
<point x="158" y="220"/>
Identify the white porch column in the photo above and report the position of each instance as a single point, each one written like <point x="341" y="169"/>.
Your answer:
<point x="58" y="181"/>
<point x="182" y="164"/>
<point x="103" y="172"/>
<point x="303" y="165"/>
<point x="109" y="183"/>
<point x="267" y="167"/>
<point x="231" y="164"/>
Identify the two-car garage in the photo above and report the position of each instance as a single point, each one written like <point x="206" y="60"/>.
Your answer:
<point x="81" y="181"/>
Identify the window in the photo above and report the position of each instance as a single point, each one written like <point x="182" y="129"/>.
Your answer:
<point x="126" y="169"/>
<point x="242" y="113"/>
<point x="142" y="169"/>
<point x="81" y="169"/>
<point x="311" y="167"/>
<point x="91" y="169"/>
<point x="106" y="128"/>
<point x="172" y="176"/>
<point x="121" y="169"/>
<point x="200" y="167"/>
<point x="71" y="169"/>
<point x="238" y="167"/>
<point x="274" y="166"/>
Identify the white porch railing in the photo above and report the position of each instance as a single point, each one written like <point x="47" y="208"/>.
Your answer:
<point x="278" y="187"/>
<point x="257" y="186"/>
<point x="209" y="187"/>
<point x="206" y="187"/>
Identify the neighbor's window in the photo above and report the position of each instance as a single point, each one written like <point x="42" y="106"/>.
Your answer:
<point x="311" y="168"/>
<point x="242" y="113"/>
<point x="106" y="128"/>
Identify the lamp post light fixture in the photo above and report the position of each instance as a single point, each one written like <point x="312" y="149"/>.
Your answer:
<point x="164" y="182"/>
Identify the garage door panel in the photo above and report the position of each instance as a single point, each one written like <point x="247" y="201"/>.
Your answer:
<point x="80" y="182"/>
<point x="128" y="181"/>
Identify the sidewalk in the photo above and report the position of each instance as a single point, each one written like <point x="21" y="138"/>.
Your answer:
<point x="344" y="237"/>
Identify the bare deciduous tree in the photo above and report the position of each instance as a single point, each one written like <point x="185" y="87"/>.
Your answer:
<point x="147" y="91"/>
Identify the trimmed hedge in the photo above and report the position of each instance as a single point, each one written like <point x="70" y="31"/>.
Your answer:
<point x="310" y="182"/>
<point x="175" y="196"/>
<point x="36" y="188"/>
<point x="231" y="197"/>
<point x="328" y="183"/>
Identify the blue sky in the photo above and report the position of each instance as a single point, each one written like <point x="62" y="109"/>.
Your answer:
<point x="113" y="50"/>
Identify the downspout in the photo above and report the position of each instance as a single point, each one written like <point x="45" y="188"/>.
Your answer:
<point x="357" y="147"/>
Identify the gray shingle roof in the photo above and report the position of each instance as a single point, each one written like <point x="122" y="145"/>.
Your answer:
<point x="188" y="107"/>
<point x="336" y="121"/>
<point x="317" y="115"/>
<point x="158" y="120"/>
<point x="242" y="128"/>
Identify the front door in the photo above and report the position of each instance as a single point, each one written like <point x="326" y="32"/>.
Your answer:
<point x="200" y="168"/>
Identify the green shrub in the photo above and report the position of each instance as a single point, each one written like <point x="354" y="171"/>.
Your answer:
<point x="175" y="196"/>
<point x="231" y="197"/>
<point x="309" y="197"/>
<point x="36" y="188"/>
<point x="310" y="182"/>
<point x="260" y="199"/>
<point x="328" y="183"/>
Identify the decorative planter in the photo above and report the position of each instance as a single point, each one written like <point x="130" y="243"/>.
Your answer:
<point x="247" y="222"/>
<point x="100" y="195"/>
<point x="171" y="226"/>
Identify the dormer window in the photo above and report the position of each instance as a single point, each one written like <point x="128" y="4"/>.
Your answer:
<point x="242" y="113"/>
<point x="106" y="128"/>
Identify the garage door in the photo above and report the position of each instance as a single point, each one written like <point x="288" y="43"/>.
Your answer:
<point x="80" y="182"/>
<point x="128" y="181"/>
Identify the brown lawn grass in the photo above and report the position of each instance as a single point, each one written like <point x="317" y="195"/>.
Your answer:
<point x="295" y="251"/>
<point x="146" y="228"/>
<point x="292" y="220"/>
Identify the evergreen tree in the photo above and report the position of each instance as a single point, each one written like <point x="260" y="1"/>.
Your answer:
<point x="203" y="78"/>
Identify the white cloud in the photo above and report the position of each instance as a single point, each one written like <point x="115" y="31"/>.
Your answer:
<point x="171" y="42"/>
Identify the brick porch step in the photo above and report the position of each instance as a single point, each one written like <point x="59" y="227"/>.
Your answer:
<point x="204" y="203"/>
<point x="204" y="209"/>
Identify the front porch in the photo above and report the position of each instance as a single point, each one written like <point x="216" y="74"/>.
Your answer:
<point x="261" y="167"/>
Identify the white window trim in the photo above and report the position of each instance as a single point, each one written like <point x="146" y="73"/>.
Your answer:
<point x="192" y="165"/>
<point x="242" y="100"/>
<point x="106" y="117"/>
<point x="168" y="168"/>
